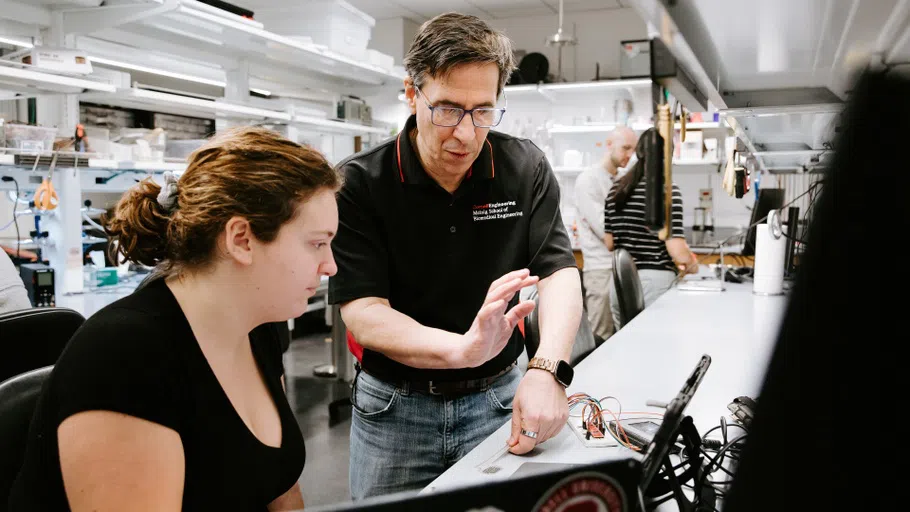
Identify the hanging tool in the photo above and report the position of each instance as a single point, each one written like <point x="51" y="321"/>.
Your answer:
<point x="45" y="195"/>
<point x="665" y="128"/>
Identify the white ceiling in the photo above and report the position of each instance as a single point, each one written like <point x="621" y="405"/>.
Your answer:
<point x="422" y="10"/>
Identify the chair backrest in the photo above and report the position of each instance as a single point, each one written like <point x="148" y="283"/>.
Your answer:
<point x="585" y="341"/>
<point x="628" y="286"/>
<point x="18" y="397"/>
<point x="34" y="338"/>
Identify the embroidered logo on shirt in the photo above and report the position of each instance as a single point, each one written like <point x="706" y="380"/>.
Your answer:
<point x="496" y="211"/>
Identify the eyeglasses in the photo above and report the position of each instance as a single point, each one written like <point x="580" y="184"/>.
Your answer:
<point x="485" y="117"/>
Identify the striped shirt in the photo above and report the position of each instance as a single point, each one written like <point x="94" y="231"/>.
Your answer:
<point x="631" y="233"/>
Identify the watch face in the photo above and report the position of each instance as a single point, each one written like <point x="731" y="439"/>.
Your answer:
<point x="564" y="373"/>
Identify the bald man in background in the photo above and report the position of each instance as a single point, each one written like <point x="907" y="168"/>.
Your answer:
<point x="591" y="189"/>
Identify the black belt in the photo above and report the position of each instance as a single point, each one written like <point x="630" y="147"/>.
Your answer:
<point x="437" y="387"/>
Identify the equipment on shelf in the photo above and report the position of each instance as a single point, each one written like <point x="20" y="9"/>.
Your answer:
<point x="38" y="279"/>
<point x="352" y="108"/>
<point x="559" y="40"/>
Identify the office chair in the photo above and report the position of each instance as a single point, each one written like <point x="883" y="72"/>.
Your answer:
<point x="585" y="341"/>
<point x="34" y="338"/>
<point x="18" y="397"/>
<point x="628" y="287"/>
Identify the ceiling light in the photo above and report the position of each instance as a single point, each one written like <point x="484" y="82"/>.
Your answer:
<point x="16" y="42"/>
<point x="171" y="74"/>
<point x="154" y="71"/>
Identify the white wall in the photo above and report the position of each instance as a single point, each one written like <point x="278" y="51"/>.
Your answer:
<point x="393" y="36"/>
<point x="599" y="34"/>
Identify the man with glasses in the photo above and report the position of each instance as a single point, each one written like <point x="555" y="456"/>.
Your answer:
<point x="440" y="227"/>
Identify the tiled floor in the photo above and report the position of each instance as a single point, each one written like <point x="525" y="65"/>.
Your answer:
<point x="325" y="476"/>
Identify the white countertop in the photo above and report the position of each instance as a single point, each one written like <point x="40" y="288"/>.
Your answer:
<point x="649" y="359"/>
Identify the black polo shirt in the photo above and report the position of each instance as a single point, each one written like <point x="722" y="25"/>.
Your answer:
<point x="433" y="254"/>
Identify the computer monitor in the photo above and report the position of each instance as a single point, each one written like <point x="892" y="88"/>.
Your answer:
<point x="768" y="199"/>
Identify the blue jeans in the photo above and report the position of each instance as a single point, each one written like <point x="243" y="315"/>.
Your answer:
<point x="402" y="440"/>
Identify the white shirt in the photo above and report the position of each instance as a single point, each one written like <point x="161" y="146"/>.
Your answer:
<point x="12" y="292"/>
<point x="591" y="189"/>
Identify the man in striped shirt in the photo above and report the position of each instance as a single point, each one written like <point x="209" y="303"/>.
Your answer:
<point x="624" y="226"/>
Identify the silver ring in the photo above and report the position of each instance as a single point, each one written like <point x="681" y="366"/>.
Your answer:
<point x="532" y="435"/>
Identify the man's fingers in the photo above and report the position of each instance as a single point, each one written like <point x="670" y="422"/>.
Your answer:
<point x="525" y="443"/>
<point x="489" y="310"/>
<point x="515" y="274"/>
<point x="510" y="288"/>
<point x="519" y="312"/>
<point x="504" y="291"/>
<point x="553" y="426"/>
<point x="516" y="425"/>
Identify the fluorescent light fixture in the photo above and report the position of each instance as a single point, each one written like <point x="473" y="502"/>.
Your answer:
<point x="521" y="88"/>
<point x="16" y="42"/>
<point x="155" y="71"/>
<point x="50" y="80"/>
<point x="171" y="74"/>
<point x="588" y="128"/>
<point x="600" y="84"/>
<point x="158" y="98"/>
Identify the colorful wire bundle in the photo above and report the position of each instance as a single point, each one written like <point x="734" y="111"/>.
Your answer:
<point x="593" y="419"/>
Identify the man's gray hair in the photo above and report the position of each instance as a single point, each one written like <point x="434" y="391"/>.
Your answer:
<point x="452" y="39"/>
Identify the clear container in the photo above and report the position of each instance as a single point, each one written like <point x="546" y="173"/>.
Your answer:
<point x="182" y="149"/>
<point x="29" y="138"/>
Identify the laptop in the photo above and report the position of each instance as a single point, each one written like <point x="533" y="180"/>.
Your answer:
<point x="535" y="486"/>
<point x="609" y="486"/>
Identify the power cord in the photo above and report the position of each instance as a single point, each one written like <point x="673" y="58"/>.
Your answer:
<point x="15" y="205"/>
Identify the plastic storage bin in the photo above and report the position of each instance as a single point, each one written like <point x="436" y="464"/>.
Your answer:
<point x="29" y="138"/>
<point x="182" y="149"/>
<point x="334" y="23"/>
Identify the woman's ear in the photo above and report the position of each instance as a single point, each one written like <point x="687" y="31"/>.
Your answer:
<point x="238" y="240"/>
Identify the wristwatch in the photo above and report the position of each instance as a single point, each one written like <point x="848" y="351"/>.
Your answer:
<point x="562" y="372"/>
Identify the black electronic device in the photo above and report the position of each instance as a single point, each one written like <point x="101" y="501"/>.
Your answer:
<point x="39" y="283"/>
<point x="665" y="436"/>
<point x="768" y="199"/>
<point x="641" y="431"/>
<point x="609" y="486"/>
<point x="792" y="237"/>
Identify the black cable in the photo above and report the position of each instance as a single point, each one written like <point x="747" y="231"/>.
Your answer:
<point x="725" y="470"/>
<point x="15" y="205"/>
<point x="718" y="427"/>
<point x="720" y="454"/>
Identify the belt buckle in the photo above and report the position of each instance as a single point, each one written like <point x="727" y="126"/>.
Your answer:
<point x="432" y="389"/>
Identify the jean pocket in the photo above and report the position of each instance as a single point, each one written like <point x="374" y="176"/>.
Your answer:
<point x="501" y="393"/>
<point x="373" y="397"/>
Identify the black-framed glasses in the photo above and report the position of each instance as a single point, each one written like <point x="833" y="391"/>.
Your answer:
<point x="483" y="117"/>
